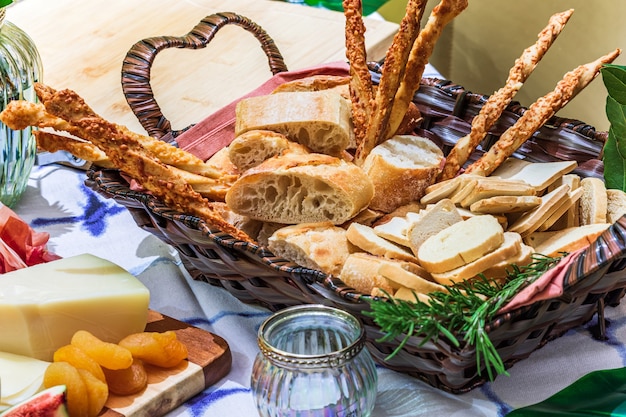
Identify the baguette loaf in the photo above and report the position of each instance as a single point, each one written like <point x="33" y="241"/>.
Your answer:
<point x="401" y="168"/>
<point x="321" y="246"/>
<point x="319" y="120"/>
<point x="460" y="244"/>
<point x="301" y="188"/>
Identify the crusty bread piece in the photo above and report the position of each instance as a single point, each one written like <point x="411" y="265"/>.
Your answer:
<point x="571" y="239"/>
<point x="505" y="204"/>
<point x="366" y="238"/>
<point x="533" y="219"/>
<point x="511" y="246"/>
<point x="499" y="270"/>
<point x="432" y="220"/>
<point x="616" y="204"/>
<point x="301" y="188"/>
<point x="538" y="174"/>
<point x="360" y="271"/>
<point x="461" y="243"/>
<point x="593" y="203"/>
<point x="317" y="82"/>
<point x="319" y="120"/>
<point x="255" y="146"/>
<point x="401" y="168"/>
<point x="321" y="246"/>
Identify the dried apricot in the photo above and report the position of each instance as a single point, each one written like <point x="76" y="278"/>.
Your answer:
<point x="108" y="355"/>
<point x="127" y="381"/>
<point x="97" y="392"/>
<point x="159" y="349"/>
<point x="62" y="373"/>
<point x="80" y="360"/>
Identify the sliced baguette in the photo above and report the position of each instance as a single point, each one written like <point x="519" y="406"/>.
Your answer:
<point x="433" y="220"/>
<point x="405" y="275"/>
<point x="319" y="120"/>
<point x="502" y="204"/>
<point x="366" y="238"/>
<point x="522" y="258"/>
<point x="532" y="220"/>
<point x="571" y="239"/>
<point x="301" y="188"/>
<point x="401" y="168"/>
<point x="255" y="146"/>
<point x="540" y="175"/>
<point x="593" y="203"/>
<point x="490" y="187"/>
<point x="321" y="246"/>
<point x="360" y="271"/>
<point x="394" y="230"/>
<point x="511" y="246"/>
<point x="616" y="205"/>
<point x="572" y="200"/>
<point x="461" y="243"/>
<point x="441" y="190"/>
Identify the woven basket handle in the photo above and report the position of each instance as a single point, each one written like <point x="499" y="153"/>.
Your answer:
<point x="137" y="65"/>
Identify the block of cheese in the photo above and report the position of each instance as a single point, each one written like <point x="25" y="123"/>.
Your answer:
<point x="42" y="306"/>
<point x="21" y="378"/>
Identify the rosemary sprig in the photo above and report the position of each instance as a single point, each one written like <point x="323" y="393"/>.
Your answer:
<point x="458" y="314"/>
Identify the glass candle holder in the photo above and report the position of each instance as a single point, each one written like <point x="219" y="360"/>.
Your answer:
<point x="313" y="363"/>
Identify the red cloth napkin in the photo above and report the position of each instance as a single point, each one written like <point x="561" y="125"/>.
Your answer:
<point x="21" y="246"/>
<point x="218" y="130"/>
<point x="549" y="285"/>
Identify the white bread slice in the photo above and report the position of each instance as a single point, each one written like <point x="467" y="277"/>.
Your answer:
<point x="593" y="203"/>
<point x="394" y="230"/>
<point x="532" y="220"/>
<point x="510" y="246"/>
<point x="505" y="204"/>
<point x="433" y="220"/>
<point x="366" y="238"/>
<point x="464" y="189"/>
<point x="441" y="190"/>
<point x="616" y="205"/>
<point x="301" y="188"/>
<point x="319" y="120"/>
<point x="572" y="200"/>
<point x="540" y="175"/>
<point x="461" y="243"/>
<point x="321" y="246"/>
<point x="522" y="258"/>
<point x="405" y="275"/>
<point x="571" y="239"/>
<point x="401" y="168"/>
<point x="571" y="218"/>
<point x="491" y="187"/>
<point x="360" y="271"/>
<point x="255" y="146"/>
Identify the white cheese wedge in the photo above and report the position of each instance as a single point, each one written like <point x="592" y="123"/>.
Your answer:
<point x="21" y="377"/>
<point x="42" y="306"/>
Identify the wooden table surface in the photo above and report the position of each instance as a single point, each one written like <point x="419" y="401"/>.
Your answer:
<point x="83" y="43"/>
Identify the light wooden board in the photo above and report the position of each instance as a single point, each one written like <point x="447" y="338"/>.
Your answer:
<point x="83" y="44"/>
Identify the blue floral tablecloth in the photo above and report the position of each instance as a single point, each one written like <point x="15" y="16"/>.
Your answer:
<point x="79" y="221"/>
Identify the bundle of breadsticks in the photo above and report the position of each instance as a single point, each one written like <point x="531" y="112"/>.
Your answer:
<point x="326" y="171"/>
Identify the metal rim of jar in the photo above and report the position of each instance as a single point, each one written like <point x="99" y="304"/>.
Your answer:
<point x="334" y="359"/>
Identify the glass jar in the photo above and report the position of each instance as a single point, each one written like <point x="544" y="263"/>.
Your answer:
<point x="313" y="363"/>
<point x="20" y="68"/>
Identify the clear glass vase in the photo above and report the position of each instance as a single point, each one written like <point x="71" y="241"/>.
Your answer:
<point x="313" y="364"/>
<point x="20" y="68"/>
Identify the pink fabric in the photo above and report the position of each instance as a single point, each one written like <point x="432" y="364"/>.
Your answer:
<point x="218" y="130"/>
<point x="549" y="285"/>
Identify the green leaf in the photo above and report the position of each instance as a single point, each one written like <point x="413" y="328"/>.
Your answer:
<point x="614" y="78"/>
<point x="614" y="164"/>
<point x="614" y="152"/>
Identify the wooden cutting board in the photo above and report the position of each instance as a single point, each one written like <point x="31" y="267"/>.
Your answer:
<point x="209" y="361"/>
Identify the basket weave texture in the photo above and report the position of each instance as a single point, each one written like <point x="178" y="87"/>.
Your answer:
<point x="253" y="275"/>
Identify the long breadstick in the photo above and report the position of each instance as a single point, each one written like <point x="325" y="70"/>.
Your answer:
<point x="392" y="73"/>
<point x="497" y="102"/>
<point x="538" y="114"/>
<point x="441" y="15"/>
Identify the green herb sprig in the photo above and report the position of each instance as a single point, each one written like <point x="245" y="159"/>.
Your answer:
<point x="459" y="313"/>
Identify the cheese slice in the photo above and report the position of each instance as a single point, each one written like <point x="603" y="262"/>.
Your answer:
<point x="21" y="377"/>
<point x="42" y="306"/>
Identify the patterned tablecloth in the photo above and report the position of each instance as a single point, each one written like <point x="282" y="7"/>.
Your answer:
<point x="78" y="220"/>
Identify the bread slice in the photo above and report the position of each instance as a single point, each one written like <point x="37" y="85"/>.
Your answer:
<point x="301" y="188"/>
<point x="571" y="239"/>
<point x="593" y="203"/>
<point x="432" y="221"/>
<point x="360" y="271"/>
<point x="366" y="238"/>
<point x="532" y="220"/>
<point x="461" y="243"/>
<point x="410" y="295"/>
<point x="502" y="204"/>
<point x="540" y="175"/>
<point x="572" y="200"/>
<point x="319" y="120"/>
<point x="492" y="187"/>
<point x="616" y="205"/>
<point x="441" y="190"/>
<point x="321" y="246"/>
<point x="394" y="230"/>
<point x="571" y="218"/>
<point x="255" y="146"/>
<point x="401" y="168"/>
<point x="318" y="82"/>
<point x="499" y="270"/>
<point x="511" y="246"/>
<point x="405" y="275"/>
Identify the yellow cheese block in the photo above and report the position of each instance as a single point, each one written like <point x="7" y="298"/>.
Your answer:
<point x="42" y="306"/>
<point x="21" y="377"/>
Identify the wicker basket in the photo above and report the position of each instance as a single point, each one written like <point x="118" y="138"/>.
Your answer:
<point x="254" y="275"/>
